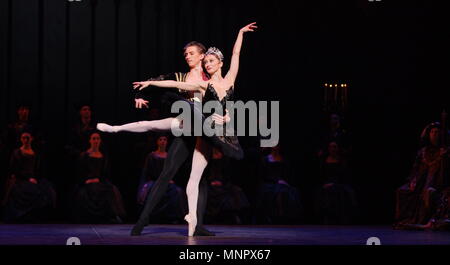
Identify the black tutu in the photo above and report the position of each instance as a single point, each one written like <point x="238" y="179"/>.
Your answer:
<point x="225" y="138"/>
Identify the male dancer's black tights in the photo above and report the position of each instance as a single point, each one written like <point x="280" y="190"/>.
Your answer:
<point x="179" y="151"/>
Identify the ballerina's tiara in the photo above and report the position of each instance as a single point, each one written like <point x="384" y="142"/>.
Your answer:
<point x="216" y="52"/>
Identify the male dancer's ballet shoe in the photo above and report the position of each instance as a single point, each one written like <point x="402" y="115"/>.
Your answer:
<point x="192" y="224"/>
<point x="106" y="128"/>
<point x="137" y="229"/>
<point x="201" y="231"/>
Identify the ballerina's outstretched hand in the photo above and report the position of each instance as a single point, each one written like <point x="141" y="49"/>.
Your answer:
<point x="249" y="27"/>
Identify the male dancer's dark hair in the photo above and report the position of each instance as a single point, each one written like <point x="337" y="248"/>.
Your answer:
<point x="201" y="47"/>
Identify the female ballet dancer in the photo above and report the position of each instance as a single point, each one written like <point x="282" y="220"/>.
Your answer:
<point x="217" y="89"/>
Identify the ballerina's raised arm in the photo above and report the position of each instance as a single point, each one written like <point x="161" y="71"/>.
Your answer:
<point x="230" y="77"/>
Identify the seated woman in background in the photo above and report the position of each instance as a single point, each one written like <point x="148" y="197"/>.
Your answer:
<point x="278" y="201"/>
<point x="95" y="199"/>
<point x="417" y="200"/>
<point x="173" y="206"/>
<point x="336" y="200"/>
<point x="29" y="197"/>
<point x="227" y="203"/>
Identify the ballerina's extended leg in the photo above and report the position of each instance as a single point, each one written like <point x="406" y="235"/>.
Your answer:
<point x="141" y="126"/>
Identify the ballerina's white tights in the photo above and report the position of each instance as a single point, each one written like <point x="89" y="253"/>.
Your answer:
<point x="200" y="160"/>
<point x="142" y="126"/>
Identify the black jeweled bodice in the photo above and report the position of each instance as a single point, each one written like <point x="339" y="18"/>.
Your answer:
<point x="227" y="140"/>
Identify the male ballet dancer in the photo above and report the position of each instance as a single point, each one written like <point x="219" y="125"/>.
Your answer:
<point x="182" y="147"/>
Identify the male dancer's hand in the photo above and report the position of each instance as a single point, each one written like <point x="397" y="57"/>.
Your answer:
<point x="141" y="85"/>
<point x="139" y="102"/>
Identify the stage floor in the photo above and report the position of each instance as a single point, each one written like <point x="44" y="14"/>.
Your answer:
<point x="57" y="234"/>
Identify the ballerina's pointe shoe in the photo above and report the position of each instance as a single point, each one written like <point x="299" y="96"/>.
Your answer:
<point x="106" y="128"/>
<point x="192" y="223"/>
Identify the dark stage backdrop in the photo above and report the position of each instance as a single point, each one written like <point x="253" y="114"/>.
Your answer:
<point x="56" y="54"/>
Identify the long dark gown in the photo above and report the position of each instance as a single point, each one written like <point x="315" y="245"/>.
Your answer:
<point x="227" y="203"/>
<point x="278" y="202"/>
<point x="416" y="207"/>
<point x="335" y="204"/>
<point x="441" y="218"/>
<point x="96" y="202"/>
<point x="9" y="141"/>
<point x="26" y="201"/>
<point x="173" y="206"/>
